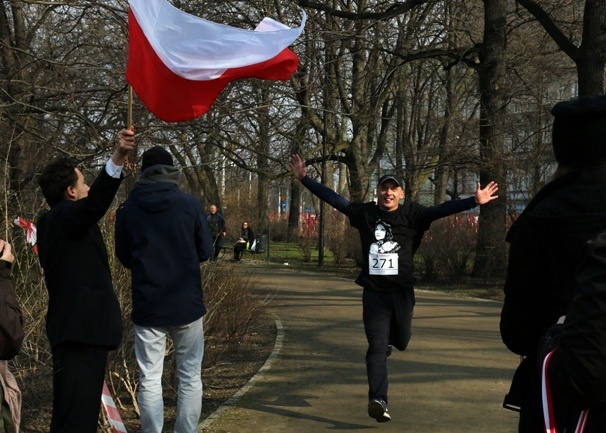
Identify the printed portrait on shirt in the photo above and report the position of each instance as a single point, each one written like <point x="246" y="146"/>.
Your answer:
<point x="385" y="243"/>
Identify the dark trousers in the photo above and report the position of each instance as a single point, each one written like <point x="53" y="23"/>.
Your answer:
<point x="238" y="250"/>
<point x="218" y="243"/>
<point x="7" y="425"/>
<point x="566" y="401"/>
<point x="78" y="373"/>
<point x="531" y="410"/>
<point x="387" y="321"/>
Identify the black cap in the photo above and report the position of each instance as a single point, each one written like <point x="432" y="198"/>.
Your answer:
<point x="155" y="156"/>
<point x="387" y="177"/>
<point x="579" y="131"/>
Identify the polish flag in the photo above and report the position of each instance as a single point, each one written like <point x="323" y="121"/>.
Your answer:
<point x="179" y="63"/>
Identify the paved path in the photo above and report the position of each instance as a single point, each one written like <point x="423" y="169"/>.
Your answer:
<point x="452" y="378"/>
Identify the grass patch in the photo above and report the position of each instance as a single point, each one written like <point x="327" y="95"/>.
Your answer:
<point x="284" y="252"/>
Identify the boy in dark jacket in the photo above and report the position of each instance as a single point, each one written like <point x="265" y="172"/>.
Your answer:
<point x="162" y="236"/>
<point x="83" y="322"/>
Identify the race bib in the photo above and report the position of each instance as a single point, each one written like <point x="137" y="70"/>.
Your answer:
<point x="383" y="264"/>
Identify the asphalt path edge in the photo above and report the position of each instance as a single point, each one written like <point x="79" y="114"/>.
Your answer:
<point x="273" y="356"/>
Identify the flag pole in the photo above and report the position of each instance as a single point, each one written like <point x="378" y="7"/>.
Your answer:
<point x="129" y="163"/>
<point x="129" y="120"/>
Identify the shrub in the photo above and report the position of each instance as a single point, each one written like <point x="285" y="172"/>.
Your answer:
<point x="308" y="236"/>
<point x="336" y="235"/>
<point x="448" y="247"/>
<point x="279" y="230"/>
<point x="233" y="309"/>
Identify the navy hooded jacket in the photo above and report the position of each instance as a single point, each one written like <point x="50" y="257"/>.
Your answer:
<point x="162" y="236"/>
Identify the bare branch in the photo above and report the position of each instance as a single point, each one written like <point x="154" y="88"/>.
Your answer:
<point x="551" y="28"/>
<point x="393" y="11"/>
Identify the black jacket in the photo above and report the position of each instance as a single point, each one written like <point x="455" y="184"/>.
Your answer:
<point x="247" y="234"/>
<point x="216" y="223"/>
<point x="162" y="236"/>
<point x="581" y="353"/>
<point x="545" y="244"/>
<point x="82" y="305"/>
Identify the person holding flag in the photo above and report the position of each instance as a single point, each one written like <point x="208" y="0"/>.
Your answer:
<point x="83" y="322"/>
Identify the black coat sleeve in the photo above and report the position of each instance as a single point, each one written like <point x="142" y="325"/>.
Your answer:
<point x="325" y="194"/>
<point x="523" y="320"/>
<point x="581" y="352"/>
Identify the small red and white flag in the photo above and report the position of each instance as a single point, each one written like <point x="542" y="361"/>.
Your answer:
<point x="179" y="63"/>
<point x="112" y="412"/>
<point x="31" y="233"/>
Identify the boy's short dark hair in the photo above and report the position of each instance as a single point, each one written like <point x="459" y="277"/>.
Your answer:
<point x="56" y="177"/>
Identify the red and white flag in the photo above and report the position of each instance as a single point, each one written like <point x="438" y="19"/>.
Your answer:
<point x="115" y="420"/>
<point x="31" y="232"/>
<point x="179" y="63"/>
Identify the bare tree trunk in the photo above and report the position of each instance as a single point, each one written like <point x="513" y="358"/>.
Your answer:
<point x="490" y="251"/>
<point x="295" y="186"/>
<point x="201" y="178"/>
<point x="592" y="53"/>
<point x="443" y="168"/>
<point x="262" y="160"/>
<point x="590" y="56"/>
<point x="294" y="213"/>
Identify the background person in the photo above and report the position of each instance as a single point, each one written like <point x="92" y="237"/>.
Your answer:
<point x="162" y="236"/>
<point x="83" y="322"/>
<point x="244" y="241"/>
<point x="546" y="241"/>
<point x="216" y="222"/>
<point x="387" y="278"/>
<point x="11" y="338"/>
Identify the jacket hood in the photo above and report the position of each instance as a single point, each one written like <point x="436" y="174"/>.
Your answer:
<point x="156" y="192"/>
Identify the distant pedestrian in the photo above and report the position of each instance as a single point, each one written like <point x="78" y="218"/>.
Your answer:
<point x="216" y="222"/>
<point x="390" y="234"/>
<point x="162" y="236"/>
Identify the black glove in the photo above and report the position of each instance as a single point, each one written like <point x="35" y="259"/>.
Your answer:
<point x="550" y="341"/>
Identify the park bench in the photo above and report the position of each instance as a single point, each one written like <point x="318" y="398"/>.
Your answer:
<point x="227" y="250"/>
